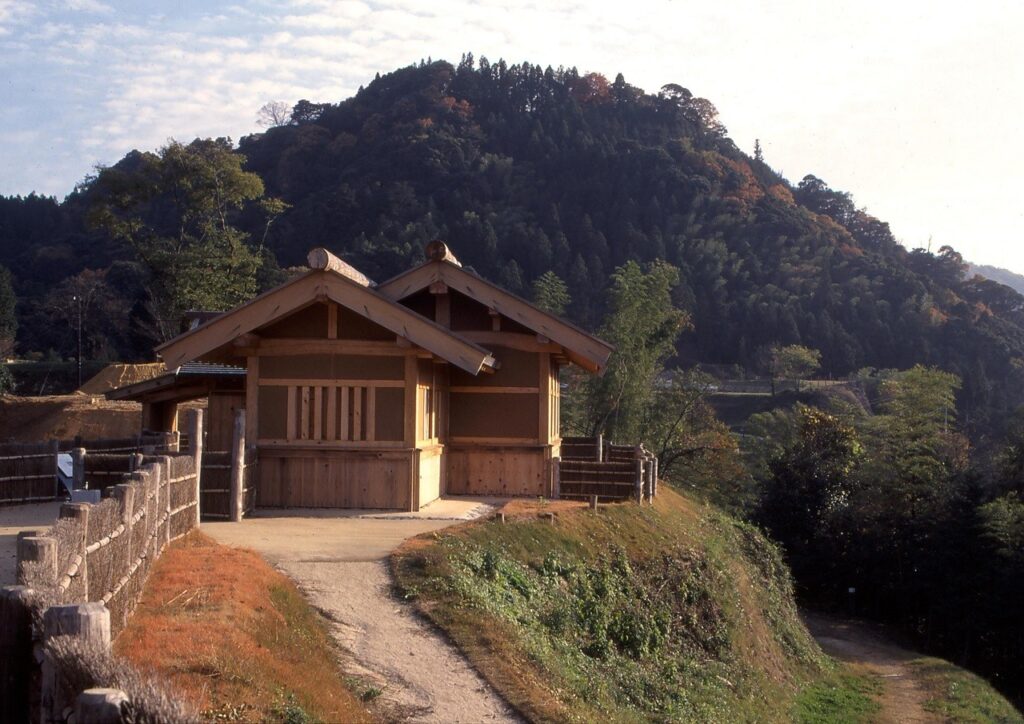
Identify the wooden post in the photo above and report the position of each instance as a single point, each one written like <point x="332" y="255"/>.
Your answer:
<point x="194" y="425"/>
<point x="593" y="502"/>
<point x="236" y="501"/>
<point x="135" y="462"/>
<point x="37" y="549"/>
<point x="54" y="452"/>
<point x="600" y="446"/>
<point x="125" y="494"/>
<point x="16" y="660"/>
<point x="654" y="477"/>
<point x="78" y="467"/>
<point x="89" y="623"/>
<point x="79" y="512"/>
<point x="100" y="706"/>
<point x="556" y="478"/>
<point x="639" y="481"/>
<point x="165" y="483"/>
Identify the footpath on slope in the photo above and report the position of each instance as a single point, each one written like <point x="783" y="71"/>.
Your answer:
<point x="339" y="560"/>
<point x="902" y="697"/>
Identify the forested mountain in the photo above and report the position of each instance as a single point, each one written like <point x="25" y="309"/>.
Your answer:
<point x="525" y="170"/>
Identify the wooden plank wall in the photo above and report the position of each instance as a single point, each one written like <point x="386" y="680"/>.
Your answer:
<point x="505" y="471"/>
<point x="313" y="478"/>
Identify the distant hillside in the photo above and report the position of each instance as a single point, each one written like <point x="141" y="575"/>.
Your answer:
<point x="1004" y="276"/>
<point x="524" y="169"/>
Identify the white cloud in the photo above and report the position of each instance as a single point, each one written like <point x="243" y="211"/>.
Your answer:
<point x="88" y="6"/>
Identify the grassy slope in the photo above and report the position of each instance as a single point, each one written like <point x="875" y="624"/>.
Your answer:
<point x="958" y="695"/>
<point x="665" y="612"/>
<point x="236" y="638"/>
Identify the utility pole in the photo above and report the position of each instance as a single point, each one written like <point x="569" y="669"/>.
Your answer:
<point x="78" y="300"/>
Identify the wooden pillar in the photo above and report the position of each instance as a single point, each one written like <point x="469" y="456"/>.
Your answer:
<point x="89" y="624"/>
<point x="195" y="442"/>
<point x="654" y="477"/>
<point x="78" y="467"/>
<point x="600" y="447"/>
<point x="556" y="478"/>
<point x="237" y="486"/>
<point x="41" y="550"/>
<point x="16" y="659"/>
<point x="80" y="513"/>
<point x="544" y="398"/>
<point x="252" y="392"/>
<point x="100" y="706"/>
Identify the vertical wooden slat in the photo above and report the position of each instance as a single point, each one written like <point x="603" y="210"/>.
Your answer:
<point x="304" y="414"/>
<point x="318" y="413"/>
<point x="344" y="414"/>
<point x="371" y="412"/>
<point x="332" y="413"/>
<point x="292" y="430"/>
<point x="332" y="320"/>
<point x="357" y="413"/>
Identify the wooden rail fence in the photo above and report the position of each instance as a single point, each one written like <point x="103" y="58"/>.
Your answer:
<point x="592" y="468"/>
<point x="29" y="474"/>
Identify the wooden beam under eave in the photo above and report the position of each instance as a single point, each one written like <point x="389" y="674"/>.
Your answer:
<point x="252" y="397"/>
<point x="410" y="403"/>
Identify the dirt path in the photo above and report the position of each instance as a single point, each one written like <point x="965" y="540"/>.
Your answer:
<point x="857" y="644"/>
<point x="339" y="560"/>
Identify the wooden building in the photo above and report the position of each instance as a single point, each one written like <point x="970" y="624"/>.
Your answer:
<point x="363" y="395"/>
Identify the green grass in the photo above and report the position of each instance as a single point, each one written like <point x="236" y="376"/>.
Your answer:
<point x="842" y="698"/>
<point x="959" y="695"/>
<point x="670" y="613"/>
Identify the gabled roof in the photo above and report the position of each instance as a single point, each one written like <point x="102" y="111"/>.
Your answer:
<point x="330" y="279"/>
<point x="583" y="348"/>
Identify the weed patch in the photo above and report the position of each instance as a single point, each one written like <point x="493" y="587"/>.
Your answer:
<point x="629" y="613"/>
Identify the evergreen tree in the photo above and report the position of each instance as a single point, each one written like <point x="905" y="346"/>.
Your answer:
<point x="550" y="293"/>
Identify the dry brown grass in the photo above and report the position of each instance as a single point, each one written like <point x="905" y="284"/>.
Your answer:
<point x="236" y="638"/>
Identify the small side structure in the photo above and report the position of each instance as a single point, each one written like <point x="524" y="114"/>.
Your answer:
<point x="360" y="395"/>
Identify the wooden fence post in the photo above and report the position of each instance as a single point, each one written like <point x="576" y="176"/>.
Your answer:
<point x="54" y="452"/>
<point x="80" y="512"/>
<point x="639" y="479"/>
<point x="37" y="549"/>
<point x="16" y="661"/>
<point x="100" y="706"/>
<point x="125" y="493"/>
<point x="194" y="425"/>
<point x="600" y="447"/>
<point x="236" y="501"/>
<point x="78" y="467"/>
<point x="556" y="475"/>
<point x="165" y="483"/>
<point x="654" y="477"/>
<point x="135" y="462"/>
<point x="89" y="623"/>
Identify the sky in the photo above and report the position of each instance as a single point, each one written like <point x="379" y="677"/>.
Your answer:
<point x="913" y="107"/>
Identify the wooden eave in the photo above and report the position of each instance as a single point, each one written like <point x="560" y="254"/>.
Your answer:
<point x="314" y="286"/>
<point x="582" y="348"/>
